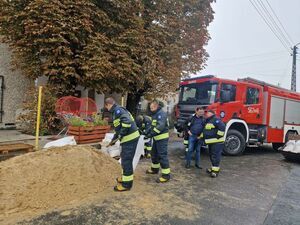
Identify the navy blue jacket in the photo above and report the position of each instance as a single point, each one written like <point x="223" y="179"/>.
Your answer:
<point x="160" y="125"/>
<point x="124" y="124"/>
<point x="195" y="124"/>
<point x="214" y="130"/>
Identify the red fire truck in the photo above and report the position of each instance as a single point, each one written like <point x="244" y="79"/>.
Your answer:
<point x="255" y="112"/>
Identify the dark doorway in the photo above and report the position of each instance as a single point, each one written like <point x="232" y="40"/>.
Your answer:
<point x="1" y="97"/>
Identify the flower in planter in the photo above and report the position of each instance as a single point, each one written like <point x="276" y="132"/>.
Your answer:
<point x="98" y="121"/>
<point x="94" y="120"/>
<point x="77" y="122"/>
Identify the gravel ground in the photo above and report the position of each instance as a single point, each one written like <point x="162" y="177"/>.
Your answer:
<point x="259" y="187"/>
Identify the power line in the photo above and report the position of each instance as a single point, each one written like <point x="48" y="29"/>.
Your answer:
<point x="264" y="17"/>
<point x="273" y="22"/>
<point x="270" y="58"/>
<point x="271" y="28"/>
<point x="289" y="37"/>
<point x="249" y="56"/>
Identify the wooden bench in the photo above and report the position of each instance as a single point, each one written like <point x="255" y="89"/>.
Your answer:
<point x="10" y="150"/>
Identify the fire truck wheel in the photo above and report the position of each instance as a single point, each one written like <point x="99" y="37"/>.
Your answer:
<point x="235" y="143"/>
<point x="276" y="146"/>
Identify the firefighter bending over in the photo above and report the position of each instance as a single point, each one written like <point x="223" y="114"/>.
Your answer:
<point x="127" y="132"/>
<point x="144" y="124"/>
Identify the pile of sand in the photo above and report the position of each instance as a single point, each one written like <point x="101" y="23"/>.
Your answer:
<point x="45" y="180"/>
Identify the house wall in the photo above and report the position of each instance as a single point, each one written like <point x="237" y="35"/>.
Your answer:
<point x="16" y="85"/>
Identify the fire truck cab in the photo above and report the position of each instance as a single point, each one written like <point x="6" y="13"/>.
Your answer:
<point x="254" y="112"/>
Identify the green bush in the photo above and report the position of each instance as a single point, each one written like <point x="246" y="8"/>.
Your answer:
<point x="50" y="122"/>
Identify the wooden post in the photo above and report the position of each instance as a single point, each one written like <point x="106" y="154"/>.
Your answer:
<point x="38" y="118"/>
<point x="122" y="103"/>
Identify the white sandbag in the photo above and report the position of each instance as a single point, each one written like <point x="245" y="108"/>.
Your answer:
<point x="108" y="137"/>
<point x="289" y="146"/>
<point x="296" y="148"/>
<point x="61" y="142"/>
<point x="139" y="151"/>
<point x="292" y="146"/>
<point x="114" y="150"/>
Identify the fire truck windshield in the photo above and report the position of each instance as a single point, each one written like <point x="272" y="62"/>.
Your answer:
<point x="198" y="93"/>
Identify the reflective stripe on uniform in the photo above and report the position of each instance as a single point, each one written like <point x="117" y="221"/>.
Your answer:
<point x="149" y="148"/>
<point x="201" y="135"/>
<point x="209" y="126"/>
<point x="127" y="178"/>
<point x="215" y="169"/>
<point x="185" y="142"/>
<point x="165" y="171"/>
<point x="156" y="130"/>
<point x="116" y="122"/>
<point x="221" y="133"/>
<point x="154" y="122"/>
<point x="161" y="136"/>
<point x="214" y="140"/>
<point x="130" y="137"/>
<point x="126" y="125"/>
<point x="155" y="166"/>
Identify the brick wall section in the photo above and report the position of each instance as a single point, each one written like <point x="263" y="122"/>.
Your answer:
<point x="16" y="86"/>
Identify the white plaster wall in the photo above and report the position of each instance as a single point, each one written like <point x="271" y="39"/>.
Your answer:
<point x="16" y="86"/>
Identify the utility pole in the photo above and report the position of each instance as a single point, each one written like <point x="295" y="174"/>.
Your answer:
<point x="294" y="78"/>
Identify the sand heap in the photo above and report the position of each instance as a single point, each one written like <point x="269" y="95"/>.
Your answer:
<point x="45" y="180"/>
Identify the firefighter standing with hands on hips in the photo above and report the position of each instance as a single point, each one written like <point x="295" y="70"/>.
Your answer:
<point x="127" y="132"/>
<point x="144" y="124"/>
<point x="160" y="134"/>
<point x="213" y="135"/>
<point x="194" y="128"/>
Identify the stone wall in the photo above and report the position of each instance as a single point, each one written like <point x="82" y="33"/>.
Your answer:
<point x="15" y="85"/>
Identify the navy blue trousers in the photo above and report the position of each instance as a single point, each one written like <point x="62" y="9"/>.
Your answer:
<point x="215" y="153"/>
<point x="160" y="156"/>
<point x="127" y="155"/>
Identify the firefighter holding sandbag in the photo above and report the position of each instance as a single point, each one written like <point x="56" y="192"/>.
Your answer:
<point x="127" y="132"/>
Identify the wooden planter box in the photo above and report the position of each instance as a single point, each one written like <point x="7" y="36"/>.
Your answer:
<point x="84" y="135"/>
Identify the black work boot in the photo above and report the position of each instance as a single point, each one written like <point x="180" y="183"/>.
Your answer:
<point x="214" y="174"/>
<point x="164" y="178"/>
<point x="197" y="166"/>
<point x="208" y="170"/>
<point x="120" y="188"/>
<point x="188" y="165"/>
<point x="152" y="171"/>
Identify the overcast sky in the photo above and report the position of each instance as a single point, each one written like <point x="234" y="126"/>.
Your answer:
<point x="243" y="45"/>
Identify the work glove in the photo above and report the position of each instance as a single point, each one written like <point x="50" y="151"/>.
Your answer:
<point x="113" y="142"/>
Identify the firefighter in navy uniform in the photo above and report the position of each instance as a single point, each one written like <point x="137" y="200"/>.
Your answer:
<point x="127" y="132"/>
<point x="213" y="135"/>
<point x="160" y="134"/>
<point x="144" y="124"/>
